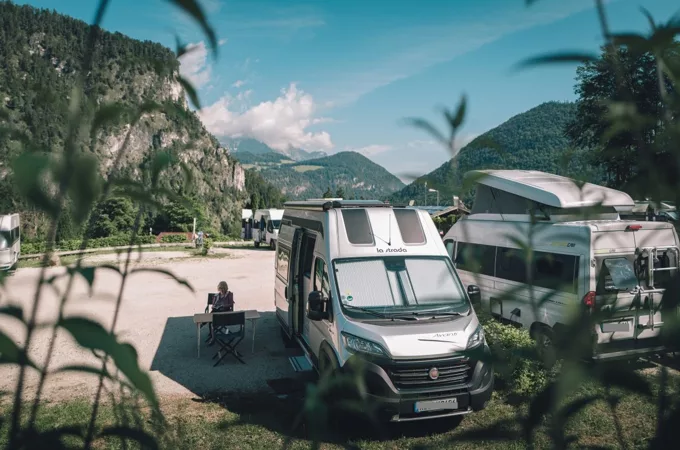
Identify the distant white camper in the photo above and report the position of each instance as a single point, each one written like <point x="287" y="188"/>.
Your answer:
<point x="266" y="224"/>
<point x="246" y="224"/>
<point x="597" y="263"/>
<point x="10" y="241"/>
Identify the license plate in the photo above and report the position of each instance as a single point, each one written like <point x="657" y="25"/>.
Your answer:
<point x="613" y="327"/>
<point x="436" y="405"/>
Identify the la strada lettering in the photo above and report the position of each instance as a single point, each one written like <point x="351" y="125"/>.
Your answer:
<point x="391" y="250"/>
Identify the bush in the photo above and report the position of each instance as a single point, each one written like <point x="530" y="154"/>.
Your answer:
<point x="207" y="245"/>
<point x="518" y="370"/>
<point x="74" y="244"/>
<point x="174" y="238"/>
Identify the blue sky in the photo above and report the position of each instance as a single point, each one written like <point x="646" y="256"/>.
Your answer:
<point x="337" y="75"/>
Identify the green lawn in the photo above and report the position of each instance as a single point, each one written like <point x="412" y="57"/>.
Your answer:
<point x="265" y="422"/>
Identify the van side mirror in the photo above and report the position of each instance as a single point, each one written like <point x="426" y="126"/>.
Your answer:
<point x="316" y="303"/>
<point x="474" y="293"/>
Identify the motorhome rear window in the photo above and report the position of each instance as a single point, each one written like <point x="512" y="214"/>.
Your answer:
<point x="357" y="226"/>
<point x="409" y="226"/>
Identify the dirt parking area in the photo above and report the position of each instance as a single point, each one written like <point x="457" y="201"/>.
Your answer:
<point x="156" y="318"/>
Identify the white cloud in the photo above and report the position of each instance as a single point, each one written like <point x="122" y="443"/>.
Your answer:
<point x="221" y="42"/>
<point x="281" y="123"/>
<point x="238" y="83"/>
<point x="421" y="47"/>
<point x="194" y="65"/>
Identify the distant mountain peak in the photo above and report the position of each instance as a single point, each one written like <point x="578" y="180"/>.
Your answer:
<point x="256" y="147"/>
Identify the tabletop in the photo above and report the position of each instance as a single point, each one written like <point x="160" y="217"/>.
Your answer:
<point x="251" y="314"/>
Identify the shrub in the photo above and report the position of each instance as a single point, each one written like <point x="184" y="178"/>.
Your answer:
<point x="174" y="238"/>
<point x="207" y="245"/>
<point x="74" y="244"/>
<point x="518" y="370"/>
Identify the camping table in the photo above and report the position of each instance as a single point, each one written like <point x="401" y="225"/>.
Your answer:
<point x="202" y="318"/>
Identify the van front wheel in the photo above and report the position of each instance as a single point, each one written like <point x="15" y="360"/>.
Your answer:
<point x="545" y="346"/>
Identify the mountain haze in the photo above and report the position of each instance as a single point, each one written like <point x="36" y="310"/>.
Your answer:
<point x="357" y="175"/>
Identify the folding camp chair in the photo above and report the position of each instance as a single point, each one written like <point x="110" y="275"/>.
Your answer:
<point x="227" y="338"/>
<point x="211" y="301"/>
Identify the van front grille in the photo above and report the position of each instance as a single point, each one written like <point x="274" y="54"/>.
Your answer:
<point x="451" y="374"/>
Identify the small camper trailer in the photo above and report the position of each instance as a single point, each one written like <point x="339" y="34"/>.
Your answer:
<point x="584" y="256"/>
<point x="362" y="280"/>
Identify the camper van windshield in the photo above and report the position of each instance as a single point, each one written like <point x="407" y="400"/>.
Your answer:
<point x="399" y="285"/>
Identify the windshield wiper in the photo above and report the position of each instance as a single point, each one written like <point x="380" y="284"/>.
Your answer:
<point x="377" y="314"/>
<point x="435" y="314"/>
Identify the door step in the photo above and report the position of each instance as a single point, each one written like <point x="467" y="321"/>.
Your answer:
<point x="300" y="363"/>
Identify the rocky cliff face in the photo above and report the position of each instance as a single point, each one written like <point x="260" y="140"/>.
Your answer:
<point x="42" y="53"/>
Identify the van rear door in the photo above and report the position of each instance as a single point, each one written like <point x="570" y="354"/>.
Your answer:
<point x="622" y="258"/>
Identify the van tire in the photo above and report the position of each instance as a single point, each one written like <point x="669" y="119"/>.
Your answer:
<point x="256" y="243"/>
<point x="327" y="362"/>
<point x="544" y="337"/>
<point x="272" y="244"/>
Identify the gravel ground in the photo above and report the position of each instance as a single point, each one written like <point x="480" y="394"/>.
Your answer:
<point x="156" y="317"/>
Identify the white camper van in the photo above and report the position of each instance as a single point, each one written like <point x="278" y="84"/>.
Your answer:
<point x="266" y="223"/>
<point x="593" y="261"/>
<point x="10" y="241"/>
<point x="362" y="280"/>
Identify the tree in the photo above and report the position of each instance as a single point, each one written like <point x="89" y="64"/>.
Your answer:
<point x="328" y="193"/>
<point x="340" y="192"/>
<point x="113" y="216"/>
<point x="598" y="90"/>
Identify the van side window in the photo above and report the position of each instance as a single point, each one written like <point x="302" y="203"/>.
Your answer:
<point x="555" y="271"/>
<point x="307" y="253"/>
<point x="321" y="282"/>
<point x="511" y="265"/>
<point x="282" y="261"/>
<point x="476" y="258"/>
<point x="450" y="247"/>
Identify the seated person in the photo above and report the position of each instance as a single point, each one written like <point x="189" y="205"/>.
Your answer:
<point x="224" y="301"/>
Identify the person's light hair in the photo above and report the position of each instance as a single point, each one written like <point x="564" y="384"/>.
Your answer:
<point x="223" y="284"/>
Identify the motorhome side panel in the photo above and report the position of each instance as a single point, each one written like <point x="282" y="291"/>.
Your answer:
<point x="282" y="279"/>
<point x="501" y="272"/>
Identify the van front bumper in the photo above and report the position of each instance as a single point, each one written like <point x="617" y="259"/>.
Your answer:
<point x="398" y="387"/>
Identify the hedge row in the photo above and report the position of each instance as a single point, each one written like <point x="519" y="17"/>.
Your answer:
<point x="31" y="248"/>
<point x="173" y="238"/>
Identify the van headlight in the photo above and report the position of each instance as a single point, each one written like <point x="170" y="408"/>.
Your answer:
<point x="360" y="345"/>
<point x="476" y="338"/>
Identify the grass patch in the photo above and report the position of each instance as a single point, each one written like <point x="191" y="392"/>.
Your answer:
<point x="263" y="421"/>
<point x="305" y="168"/>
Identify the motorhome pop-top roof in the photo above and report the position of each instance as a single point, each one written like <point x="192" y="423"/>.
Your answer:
<point x="516" y="194"/>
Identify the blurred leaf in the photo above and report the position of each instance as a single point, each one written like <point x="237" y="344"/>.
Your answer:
<point x="10" y="353"/>
<point x="93" y="336"/>
<point x="180" y="49"/>
<point x="109" y="114"/>
<point x="456" y="120"/>
<point x="635" y="43"/>
<point x="13" y="311"/>
<point x="540" y="405"/>
<point x="188" y="174"/>
<point x="190" y="91"/>
<point x="144" y="439"/>
<point x="160" y="162"/>
<point x="194" y="9"/>
<point x="571" y="58"/>
<point x="29" y="168"/>
<point x="85" y="186"/>
<point x="84" y="369"/>
<point x="428" y="127"/>
<point x="181" y="281"/>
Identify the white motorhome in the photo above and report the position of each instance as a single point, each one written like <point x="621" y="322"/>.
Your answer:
<point x="266" y="223"/>
<point x="10" y="241"/>
<point x="584" y="256"/>
<point x="364" y="281"/>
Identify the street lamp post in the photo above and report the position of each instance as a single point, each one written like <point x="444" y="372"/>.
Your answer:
<point x="434" y="190"/>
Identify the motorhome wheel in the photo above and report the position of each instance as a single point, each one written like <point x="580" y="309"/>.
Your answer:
<point x="272" y="244"/>
<point x="327" y="364"/>
<point x="545" y="346"/>
<point x="257" y="244"/>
